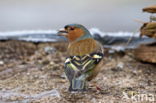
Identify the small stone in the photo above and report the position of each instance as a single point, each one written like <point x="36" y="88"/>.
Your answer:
<point x="1" y="62"/>
<point x="45" y="62"/>
<point x="4" y="89"/>
<point x="36" y="76"/>
<point x="13" y="98"/>
<point x="120" y="65"/>
<point x="28" y="73"/>
<point x="49" y="50"/>
<point x="52" y="63"/>
<point x="63" y="76"/>
<point x="111" y="51"/>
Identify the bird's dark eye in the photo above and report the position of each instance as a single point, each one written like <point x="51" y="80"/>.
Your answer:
<point x="72" y="28"/>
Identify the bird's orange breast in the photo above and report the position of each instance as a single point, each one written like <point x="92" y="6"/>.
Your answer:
<point x="82" y="47"/>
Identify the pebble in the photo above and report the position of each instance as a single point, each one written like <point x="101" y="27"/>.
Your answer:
<point x="111" y="51"/>
<point x="1" y="62"/>
<point x="28" y="73"/>
<point x="4" y="89"/>
<point x="120" y="65"/>
<point x="52" y="63"/>
<point x="63" y="75"/>
<point x="49" y="50"/>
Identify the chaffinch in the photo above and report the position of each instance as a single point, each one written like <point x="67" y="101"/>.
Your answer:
<point x="85" y="56"/>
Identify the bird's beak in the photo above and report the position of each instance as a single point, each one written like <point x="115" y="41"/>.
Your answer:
<point x="62" y="33"/>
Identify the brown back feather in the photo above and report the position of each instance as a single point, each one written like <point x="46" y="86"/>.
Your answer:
<point x="83" y="47"/>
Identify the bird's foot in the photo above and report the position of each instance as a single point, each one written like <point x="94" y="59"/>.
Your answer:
<point x="96" y="88"/>
<point x="77" y="90"/>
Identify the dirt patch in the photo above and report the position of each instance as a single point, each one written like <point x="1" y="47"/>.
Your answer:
<point x="31" y="73"/>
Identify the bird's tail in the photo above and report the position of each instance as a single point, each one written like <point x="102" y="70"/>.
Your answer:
<point x="77" y="84"/>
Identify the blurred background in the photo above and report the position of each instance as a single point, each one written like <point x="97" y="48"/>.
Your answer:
<point x="107" y="15"/>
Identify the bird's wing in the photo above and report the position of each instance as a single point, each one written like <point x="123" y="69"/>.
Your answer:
<point x="76" y="66"/>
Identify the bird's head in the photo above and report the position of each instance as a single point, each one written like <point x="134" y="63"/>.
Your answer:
<point x="75" y="32"/>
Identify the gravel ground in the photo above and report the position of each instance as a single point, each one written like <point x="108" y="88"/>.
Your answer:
<point x="34" y="73"/>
